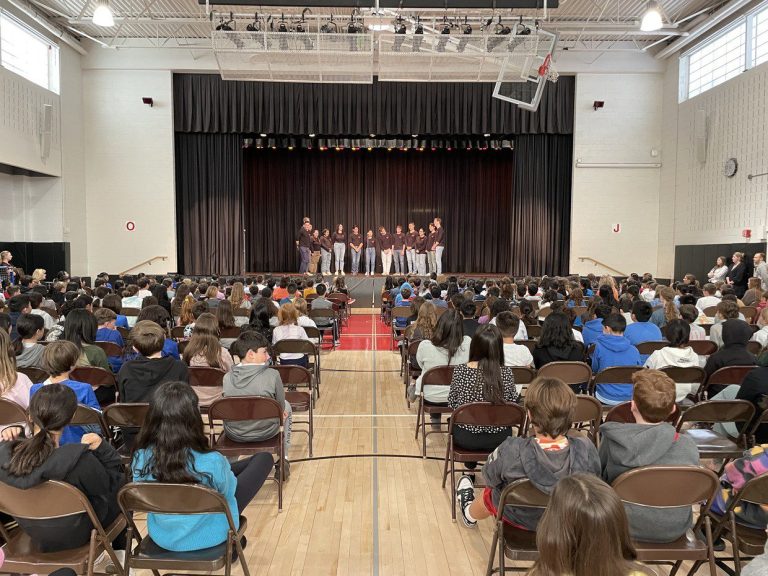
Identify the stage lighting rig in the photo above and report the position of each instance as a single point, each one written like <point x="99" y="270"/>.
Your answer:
<point x="445" y="30"/>
<point x="400" y="30"/>
<point x="466" y="30"/>
<point x="225" y="25"/>
<point x="329" y="26"/>
<point x="256" y="25"/>
<point x="418" y="32"/>
<point x="500" y="29"/>
<point x="282" y="26"/>
<point x="301" y="26"/>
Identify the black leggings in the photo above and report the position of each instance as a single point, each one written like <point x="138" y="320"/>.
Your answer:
<point x="250" y="474"/>
<point x="484" y="441"/>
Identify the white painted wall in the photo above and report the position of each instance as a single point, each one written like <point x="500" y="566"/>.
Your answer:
<point x="626" y="130"/>
<point x="32" y="209"/>
<point x="129" y="171"/>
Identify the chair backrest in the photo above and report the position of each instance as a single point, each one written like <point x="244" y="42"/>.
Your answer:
<point x="182" y="346"/>
<point x="755" y="491"/>
<point x="312" y="332"/>
<point x="401" y="312"/>
<point x="205" y="376"/>
<point x="544" y="312"/>
<point x="413" y="347"/>
<point x="293" y="346"/>
<point x="623" y="413"/>
<point x="130" y="311"/>
<point x="125" y="333"/>
<point x="616" y="375"/>
<point x="761" y="419"/>
<point x="686" y="374"/>
<point x="238" y="408"/>
<point x="710" y="311"/>
<point x="87" y="416"/>
<point x="242" y="312"/>
<point x="177" y="332"/>
<point x="294" y="375"/>
<point x="729" y="375"/>
<point x="572" y="373"/>
<point x="322" y="313"/>
<point x="683" y="486"/>
<point x="703" y="347"/>
<point x="651" y="347"/>
<point x="530" y="344"/>
<point x="126" y="415"/>
<point x="110" y="348"/>
<point x="34" y="374"/>
<point x="12" y="413"/>
<point x="588" y="409"/>
<point x="233" y="332"/>
<point x="720" y="411"/>
<point x="93" y="375"/>
<point x="521" y="494"/>
<point x="487" y="414"/>
<point x="437" y="376"/>
<point x="340" y="296"/>
<point x="749" y="313"/>
<point x="52" y="312"/>
<point x="533" y="330"/>
<point x="523" y="374"/>
<point x="754" y="347"/>
<point x="579" y="310"/>
<point x="51" y="499"/>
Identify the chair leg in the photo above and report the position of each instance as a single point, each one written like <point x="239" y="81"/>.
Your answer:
<point x="228" y="559"/>
<point x="735" y="540"/>
<point x="445" y="464"/>
<point x="710" y="546"/>
<point x="91" y="554"/>
<point x="675" y="568"/>
<point x="280" y="476"/>
<point x="418" y="417"/>
<point x="453" y="487"/>
<point x="241" y="555"/>
<point x="311" y="429"/>
<point x="424" y="436"/>
<point x="492" y="556"/>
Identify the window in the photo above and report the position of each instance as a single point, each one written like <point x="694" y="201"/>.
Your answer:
<point x="28" y="54"/>
<point x="740" y="47"/>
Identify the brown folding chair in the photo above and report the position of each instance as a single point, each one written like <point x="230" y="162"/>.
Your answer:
<point x="342" y="300"/>
<point x="511" y="542"/>
<point x="758" y="421"/>
<point x="725" y="376"/>
<point x="12" y="413"/>
<point x="651" y="347"/>
<point x="110" y="348"/>
<point x="703" y="347"/>
<point x="316" y="337"/>
<point x="126" y="418"/>
<point x="182" y="345"/>
<point x="534" y="331"/>
<point x="37" y="375"/>
<point x="125" y="333"/>
<point x="613" y="375"/>
<point x="324" y="315"/>
<point x="682" y="486"/>
<point x="744" y="540"/>
<point x="177" y="332"/>
<point x="437" y="376"/>
<point x="178" y="499"/>
<point x="477" y="414"/>
<point x="95" y="376"/>
<point x="298" y="346"/>
<point x="590" y="411"/>
<point x="52" y="312"/>
<point x="208" y="384"/>
<point x="579" y="310"/>
<point x="623" y="413"/>
<point x="530" y="344"/>
<point x="46" y="501"/>
<point x="248" y="408"/>
<point x="754" y="347"/>
<point x="710" y="311"/>
<point x="687" y="375"/>
<point x="294" y="377"/>
<point x="397" y="333"/>
<point x="576" y="374"/>
<point x="523" y="375"/>
<point x="411" y="370"/>
<point x="711" y="444"/>
<point x="232" y="332"/>
<point x="749" y="313"/>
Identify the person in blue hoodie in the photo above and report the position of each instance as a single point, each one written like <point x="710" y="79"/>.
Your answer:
<point x="612" y="349"/>
<point x="593" y="329"/>
<point x="641" y="330"/>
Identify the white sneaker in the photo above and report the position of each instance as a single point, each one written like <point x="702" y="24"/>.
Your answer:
<point x="105" y="565"/>
<point x="342" y="273"/>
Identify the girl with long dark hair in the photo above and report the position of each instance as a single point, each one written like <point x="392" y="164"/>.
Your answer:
<point x="172" y="447"/>
<point x="557" y="342"/>
<point x="80" y="329"/>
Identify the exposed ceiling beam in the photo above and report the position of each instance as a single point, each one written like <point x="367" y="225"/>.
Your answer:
<point x="45" y="22"/>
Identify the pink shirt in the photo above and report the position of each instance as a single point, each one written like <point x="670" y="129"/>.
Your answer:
<point x="19" y="393"/>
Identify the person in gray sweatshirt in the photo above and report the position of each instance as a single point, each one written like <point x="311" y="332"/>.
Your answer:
<point x="252" y="376"/>
<point x="545" y="457"/>
<point x="650" y="441"/>
<point x="29" y="353"/>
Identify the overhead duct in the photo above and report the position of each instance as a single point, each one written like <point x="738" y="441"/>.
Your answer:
<point x="396" y="4"/>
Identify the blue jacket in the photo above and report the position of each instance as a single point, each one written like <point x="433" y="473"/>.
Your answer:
<point x="592" y="331"/>
<point x="182" y="533"/>
<point x="85" y="395"/>
<point x="640" y="332"/>
<point x="612" y="350"/>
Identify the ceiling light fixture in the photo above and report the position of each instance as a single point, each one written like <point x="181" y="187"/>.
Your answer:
<point x="652" y="19"/>
<point x="103" y="16"/>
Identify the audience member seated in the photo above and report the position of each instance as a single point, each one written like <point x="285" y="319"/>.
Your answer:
<point x="35" y="301"/>
<point x="172" y="447"/>
<point x="484" y="378"/>
<point x="641" y="329"/>
<point x="303" y="309"/>
<point x="752" y="295"/>
<point x="80" y="329"/>
<point x="584" y="532"/>
<point x="322" y="303"/>
<point x="88" y="463"/>
<point x="288" y="329"/>
<point x="593" y="328"/>
<point x="162" y="318"/>
<point x="690" y="314"/>
<point x="17" y="306"/>
<point x="612" y="349"/>
<point x="29" y="353"/>
<point x="557" y="342"/>
<point x="668" y="310"/>
<point x="761" y="335"/>
<point x="191" y="310"/>
<point x="470" y="324"/>
<point x="709" y="299"/>
<point x="514" y="354"/>
<point x="252" y="376"/>
<point x="14" y="386"/>
<point x="107" y="332"/>
<point x="112" y="302"/>
<point x="59" y="359"/>
<point x="726" y="310"/>
<point x="650" y="441"/>
<point x="737" y="473"/>
<point x="544" y="457"/>
<point x="679" y="353"/>
<point x="138" y="378"/>
<point x="753" y="388"/>
<point x="426" y="322"/>
<point x="736" y="334"/>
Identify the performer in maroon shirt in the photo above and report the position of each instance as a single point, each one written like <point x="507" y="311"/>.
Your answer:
<point x="385" y="245"/>
<point x="410" y="250"/>
<point x="356" y="246"/>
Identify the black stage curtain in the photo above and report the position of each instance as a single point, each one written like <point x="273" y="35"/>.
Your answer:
<point x="209" y="194"/>
<point x="206" y="103"/>
<point x="504" y="212"/>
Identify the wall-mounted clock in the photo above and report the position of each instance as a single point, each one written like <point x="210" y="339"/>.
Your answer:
<point x="731" y="167"/>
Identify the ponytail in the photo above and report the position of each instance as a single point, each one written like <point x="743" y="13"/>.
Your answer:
<point x="28" y="454"/>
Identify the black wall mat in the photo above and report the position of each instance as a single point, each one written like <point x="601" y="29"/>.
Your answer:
<point x="699" y="259"/>
<point x="52" y="256"/>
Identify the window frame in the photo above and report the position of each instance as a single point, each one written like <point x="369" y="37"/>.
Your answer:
<point x="53" y="66"/>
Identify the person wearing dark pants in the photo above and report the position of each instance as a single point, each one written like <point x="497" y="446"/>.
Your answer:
<point x="304" y="243"/>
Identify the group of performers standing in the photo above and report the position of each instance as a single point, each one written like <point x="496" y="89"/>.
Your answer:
<point x="412" y="252"/>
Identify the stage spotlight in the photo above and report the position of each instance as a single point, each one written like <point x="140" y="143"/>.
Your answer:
<point x="500" y="30"/>
<point x="400" y="29"/>
<point x="444" y="32"/>
<point x="466" y="29"/>
<point x="418" y="36"/>
<point x="282" y="26"/>
<point x="224" y="25"/>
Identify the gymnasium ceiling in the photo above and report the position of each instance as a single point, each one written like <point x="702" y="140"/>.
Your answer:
<point x="581" y="24"/>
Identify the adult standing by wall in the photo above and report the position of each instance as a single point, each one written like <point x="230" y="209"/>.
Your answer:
<point x="737" y="275"/>
<point x="339" y="246"/>
<point x="761" y="270"/>
<point x="431" y="261"/>
<point x="410" y="247"/>
<point x="7" y="272"/>
<point x="304" y="244"/>
<point x="356" y="247"/>
<point x="385" y="245"/>
<point x="439" y="245"/>
<point x="398" y="248"/>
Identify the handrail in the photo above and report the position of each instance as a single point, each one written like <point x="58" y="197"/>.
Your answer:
<point x="149" y="262"/>
<point x="603" y="264"/>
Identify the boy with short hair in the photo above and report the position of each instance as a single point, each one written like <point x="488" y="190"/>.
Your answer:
<point x="594" y="327"/>
<point x="31" y="329"/>
<point x="252" y="376"/>
<point x="139" y="377"/>
<point x="641" y="329"/>
<point x="649" y="441"/>
<point x="59" y="359"/>
<point x="612" y="349"/>
<point x="106" y="320"/>
<point x="544" y="457"/>
<point x="514" y="354"/>
<point x="709" y="299"/>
